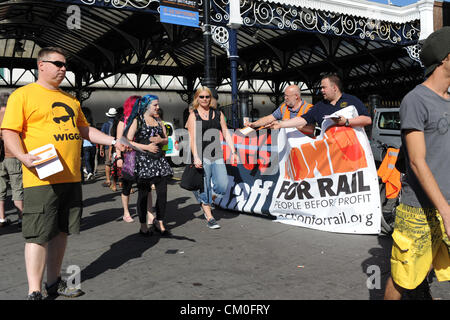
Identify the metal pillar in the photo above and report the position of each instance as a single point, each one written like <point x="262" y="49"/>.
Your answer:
<point x="234" y="67"/>
<point x="209" y="79"/>
<point x="244" y="105"/>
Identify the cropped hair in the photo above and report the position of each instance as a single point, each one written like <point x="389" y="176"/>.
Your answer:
<point x="48" y="50"/>
<point x="334" y="78"/>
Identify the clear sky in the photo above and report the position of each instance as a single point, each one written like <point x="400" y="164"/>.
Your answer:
<point x="399" y="2"/>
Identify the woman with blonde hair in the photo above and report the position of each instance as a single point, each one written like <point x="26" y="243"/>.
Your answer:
<point x="205" y="124"/>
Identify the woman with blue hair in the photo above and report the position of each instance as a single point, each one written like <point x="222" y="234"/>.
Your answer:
<point x="151" y="165"/>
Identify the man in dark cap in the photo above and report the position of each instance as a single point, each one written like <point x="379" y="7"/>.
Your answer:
<point x="422" y="225"/>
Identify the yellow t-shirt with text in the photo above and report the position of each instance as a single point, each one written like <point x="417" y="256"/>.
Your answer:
<point x="44" y="116"/>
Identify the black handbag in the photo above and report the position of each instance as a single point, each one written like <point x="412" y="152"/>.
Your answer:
<point x="192" y="178"/>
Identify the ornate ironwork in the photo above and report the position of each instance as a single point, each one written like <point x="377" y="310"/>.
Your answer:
<point x="120" y="4"/>
<point x="414" y="53"/>
<point x="186" y="96"/>
<point x="259" y="13"/>
<point x="221" y="36"/>
<point x="275" y="15"/>
<point x="81" y="94"/>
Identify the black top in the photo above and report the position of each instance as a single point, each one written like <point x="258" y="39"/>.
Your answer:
<point x="324" y="107"/>
<point x="211" y="143"/>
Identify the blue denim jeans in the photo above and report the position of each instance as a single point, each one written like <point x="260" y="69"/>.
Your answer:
<point x="89" y="158"/>
<point x="215" y="172"/>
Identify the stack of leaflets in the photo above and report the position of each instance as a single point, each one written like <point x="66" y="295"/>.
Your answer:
<point x="49" y="163"/>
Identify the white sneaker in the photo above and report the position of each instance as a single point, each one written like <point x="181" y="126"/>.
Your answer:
<point x="89" y="176"/>
<point x="212" y="224"/>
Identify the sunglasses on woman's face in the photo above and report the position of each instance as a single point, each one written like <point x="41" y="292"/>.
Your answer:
<point x="204" y="97"/>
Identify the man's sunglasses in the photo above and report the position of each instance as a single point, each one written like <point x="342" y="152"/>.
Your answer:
<point x="204" y="97"/>
<point x="59" y="64"/>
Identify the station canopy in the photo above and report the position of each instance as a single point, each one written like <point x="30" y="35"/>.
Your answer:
<point x="373" y="47"/>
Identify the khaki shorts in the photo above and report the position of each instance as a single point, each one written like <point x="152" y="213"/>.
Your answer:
<point x="11" y="168"/>
<point x="419" y="242"/>
<point x="49" y="210"/>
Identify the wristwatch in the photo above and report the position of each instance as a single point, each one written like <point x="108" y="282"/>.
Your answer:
<point x="113" y="142"/>
<point x="347" y="123"/>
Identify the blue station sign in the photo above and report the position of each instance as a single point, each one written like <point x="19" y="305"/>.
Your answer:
<point x="182" y="12"/>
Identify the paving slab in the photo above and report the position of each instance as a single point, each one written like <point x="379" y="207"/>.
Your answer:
<point x="249" y="258"/>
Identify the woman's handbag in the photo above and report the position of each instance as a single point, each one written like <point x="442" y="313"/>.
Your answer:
<point x="129" y="163"/>
<point x="192" y="178"/>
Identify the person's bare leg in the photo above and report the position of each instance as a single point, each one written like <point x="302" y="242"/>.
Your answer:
<point x="393" y="291"/>
<point x="35" y="258"/>
<point x="2" y="209"/>
<point x="125" y="204"/>
<point x="113" y="184"/>
<point x="19" y="206"/>
<point x="108" y="174"/>
<point x="150" y="213"/>
<point x="207" y="210"/>
<point x="55" y="256"/>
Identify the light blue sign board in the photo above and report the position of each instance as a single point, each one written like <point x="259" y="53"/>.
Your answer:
<point x="178" y="16"/>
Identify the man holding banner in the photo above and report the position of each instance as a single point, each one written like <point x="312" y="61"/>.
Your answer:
<point x="328" y="183"/>
<point x="334" y="100"/>
<point x="422" y="224"/>
<point x="293" y="106"/>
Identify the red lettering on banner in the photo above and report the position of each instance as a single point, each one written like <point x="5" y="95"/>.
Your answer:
<point x="249" y="151"/>
<point x="264" y="156"/>
<point x="252" y="152"/>
<point x="316" y="157"/>
<point x="295" y="166"/>
<point x="344" y="152"/>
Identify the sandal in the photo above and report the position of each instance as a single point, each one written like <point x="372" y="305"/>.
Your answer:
<point x="113" y="187"/>
<point x="128" y="219"/>
<point x="164" y="233"/>
<point x="106" y="184"/>
<point x="145" y="234"/>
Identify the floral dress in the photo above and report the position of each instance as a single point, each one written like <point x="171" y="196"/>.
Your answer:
<point x="147" y="165"/>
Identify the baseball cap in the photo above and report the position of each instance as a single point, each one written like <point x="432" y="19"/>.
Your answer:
<point x="435" y="48"/>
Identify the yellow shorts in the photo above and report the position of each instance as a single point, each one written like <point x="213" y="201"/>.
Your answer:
<point x="419" y="242"/>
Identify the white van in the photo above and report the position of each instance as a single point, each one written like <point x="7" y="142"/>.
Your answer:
<point x="386" y="131"/>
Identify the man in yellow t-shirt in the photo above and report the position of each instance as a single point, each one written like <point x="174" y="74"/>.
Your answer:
<point x="36" y="115"/>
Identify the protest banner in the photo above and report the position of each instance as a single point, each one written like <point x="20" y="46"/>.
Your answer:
<point x="327" y="183"/>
